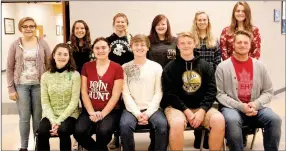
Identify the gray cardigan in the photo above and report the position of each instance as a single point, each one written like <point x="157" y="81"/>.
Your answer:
<point x="227" y="84"/>
<point x="15" y="62"/>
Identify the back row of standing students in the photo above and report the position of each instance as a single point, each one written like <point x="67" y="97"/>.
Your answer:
<point x="27" y="57"/>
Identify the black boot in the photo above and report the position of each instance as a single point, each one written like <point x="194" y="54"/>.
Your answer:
<point x="244" y="136"/>
<point x="152" y="141"/>
<point x="198" y="137"/>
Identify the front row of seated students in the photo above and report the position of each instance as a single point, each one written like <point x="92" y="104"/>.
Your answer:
<point x="186" y="90"/>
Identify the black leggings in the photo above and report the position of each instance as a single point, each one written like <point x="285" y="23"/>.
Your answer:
<point x="65" y="130"/>
<point x="103" y="129"/>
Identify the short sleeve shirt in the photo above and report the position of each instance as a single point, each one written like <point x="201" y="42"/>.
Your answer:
<point x="100" y="88"/>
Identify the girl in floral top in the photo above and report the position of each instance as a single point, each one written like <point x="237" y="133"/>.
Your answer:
<point x="60" y="89"/>
<point x="241" y="20"/>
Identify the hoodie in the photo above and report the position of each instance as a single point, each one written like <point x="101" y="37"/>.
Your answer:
<point x="188" y="84"/>
<point x="120" y="49"/>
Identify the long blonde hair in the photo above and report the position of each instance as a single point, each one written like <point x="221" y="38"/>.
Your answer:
<point x="127" y="22"/>
<point x="211" y="42"/>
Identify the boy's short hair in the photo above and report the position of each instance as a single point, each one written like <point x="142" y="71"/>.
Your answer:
<point x="140" y="38"/>
<point x="242" y="32"/>
<point x="186" y="34"/>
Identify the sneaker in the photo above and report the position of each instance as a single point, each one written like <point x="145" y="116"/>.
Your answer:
<point x="114" y="143"/>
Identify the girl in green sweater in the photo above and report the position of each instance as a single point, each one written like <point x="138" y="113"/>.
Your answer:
<point x="60" y="90"/>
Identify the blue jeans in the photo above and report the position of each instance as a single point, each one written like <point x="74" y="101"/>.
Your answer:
<point x="158" y="124"/>
<point x="29" y="103"/>
<point x="265" y="118"/>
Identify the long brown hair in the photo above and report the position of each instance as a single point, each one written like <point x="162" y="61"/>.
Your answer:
<point x="210" y="42"/>
<point x="70" y="66"/>
<point x="247" y="22"/>
<point x="153" y="37"/>
<point x="86" y="39"/>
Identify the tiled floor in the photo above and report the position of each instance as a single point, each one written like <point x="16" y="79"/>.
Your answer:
<point x="11" y="137"/>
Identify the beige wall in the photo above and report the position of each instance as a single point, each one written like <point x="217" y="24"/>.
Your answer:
<point x="99" y="14"/>
<point x="43" y="15"/>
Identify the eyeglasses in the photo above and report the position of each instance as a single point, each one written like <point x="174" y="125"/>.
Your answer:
<point x="30" y="26"/>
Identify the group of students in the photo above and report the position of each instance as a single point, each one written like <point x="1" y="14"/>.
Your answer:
<point x="164" y="82"/>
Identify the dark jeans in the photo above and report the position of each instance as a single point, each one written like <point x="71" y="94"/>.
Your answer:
<point x="65" y="130"/>
<point x="265" y="118"/>
<point x="103" y="129"/>
<point x="158" y="124"/>
<point x="120" y="110"/>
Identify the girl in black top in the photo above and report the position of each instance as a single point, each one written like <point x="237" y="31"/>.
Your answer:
<point x="163" y="44"/>
<point x="119" y="40"/>
<point x="80" y="44"/>
<point x="120" y="52"/>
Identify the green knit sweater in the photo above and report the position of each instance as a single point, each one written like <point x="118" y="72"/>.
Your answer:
<point x="60" y="94"/>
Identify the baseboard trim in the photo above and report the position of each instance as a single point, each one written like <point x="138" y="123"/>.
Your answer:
<point x="279" y="91"/>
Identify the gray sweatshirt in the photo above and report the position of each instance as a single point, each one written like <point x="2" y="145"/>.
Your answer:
<point x="227" y="84"/>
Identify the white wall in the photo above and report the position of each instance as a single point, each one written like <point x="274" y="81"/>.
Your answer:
<point x="181" y="13"/>
<point x="43" y="15"/>
<point x="8" y="11"/>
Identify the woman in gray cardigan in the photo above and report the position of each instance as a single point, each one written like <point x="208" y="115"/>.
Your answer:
<point x="26" y="63"/>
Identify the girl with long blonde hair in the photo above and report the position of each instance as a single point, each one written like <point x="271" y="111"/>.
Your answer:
<point x="206" y="44"/>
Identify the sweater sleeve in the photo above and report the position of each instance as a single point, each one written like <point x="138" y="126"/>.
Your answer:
<point x="170" y="91"/>
<point x="45" y="99"/>
<point x="256" y="44"/>
<point x="223" y="44"/>
<point x="266" y="91"/>
<point x="211" y="90"/>
<point x="10" y="68"/>
<point x="47" y="51"/>
<point x="158" y="93"/>
<point x="127" y="98"/>
<point x="73" y="104"/>
<point x="222" y="96"/>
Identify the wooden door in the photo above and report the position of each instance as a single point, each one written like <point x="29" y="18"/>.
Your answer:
<point x="39" y="32"/>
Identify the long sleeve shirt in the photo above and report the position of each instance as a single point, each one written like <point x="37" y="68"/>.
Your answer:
<point x="227" y="85"/>
<point x="142" y="87"/>
<point x="60" y="95"/>
<point x="212" y="55"/>
<point x="188" y="84"/>
<point x="15" y="62"/>
<point x="226" y="43"/>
